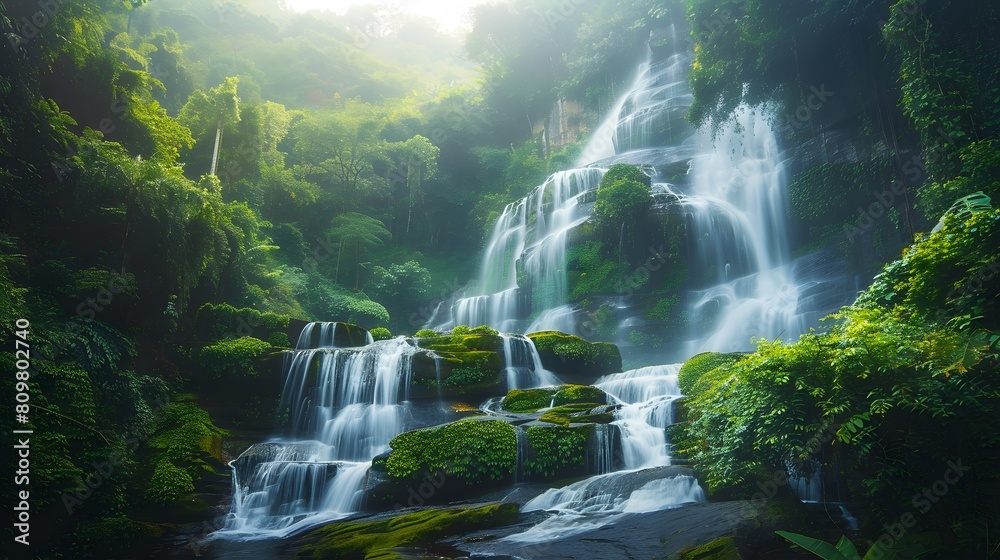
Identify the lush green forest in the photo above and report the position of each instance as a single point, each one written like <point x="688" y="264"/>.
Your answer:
<point x="184" y="183"/>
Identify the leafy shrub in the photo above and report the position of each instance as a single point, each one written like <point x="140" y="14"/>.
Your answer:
<point x="168" y="484"/>
<point x="623" y="202"/>
<point x="554" y="449"/>
<point x="425" y="333"/>
<point x="232" y="358"/>
<point x="461" y="329"/>
<point x="218" y="321"/>
<point x="483" y="329"/>
<point x="466" y="376"/>
<point x="625" y="171"/>
<point x="380" y="333"/>
<point x="279" y="340"/>
<point x="470" y="450"/>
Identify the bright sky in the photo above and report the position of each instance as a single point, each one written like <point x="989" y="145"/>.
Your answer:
<point x="451" y="13"/>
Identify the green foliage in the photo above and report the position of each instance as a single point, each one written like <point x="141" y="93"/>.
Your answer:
<point x="425" y="333"/>
<point x="381" y="539"/>
<point x="590" y="272"/>
<point x="909" y="545"/>
<point x="663" y="307"/>
<point x="472" y="451"/>
<point x="279" y="340"/>
<point x="216" y="321"/>
<point x="401" y="288"/>
<point x="168" y="484"/>
<point x="951" y="273"/>
<point x="466" y="376"/>
<point x="696" y="374"/>
<point x="554" y="450"/>
<point x="621" y="204"/>
<point x="380" y="333"/>
<point x="483" y="330"/>
<point x="461" y="329"/>
<point x="232" y="358"/>
<point x="624" y="172"/>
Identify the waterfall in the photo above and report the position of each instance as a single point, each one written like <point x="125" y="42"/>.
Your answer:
<point x="646" y="396"/>
<point x="528" y="241"/>
<point x="345" y="405"/>
<point x="523" y="365"/>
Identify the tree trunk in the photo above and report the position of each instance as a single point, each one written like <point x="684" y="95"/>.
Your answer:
<point x="215" y="151"/>
<point x="340" y="251"/>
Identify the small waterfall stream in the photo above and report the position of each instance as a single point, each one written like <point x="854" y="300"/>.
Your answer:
<point x="646" y="396"/>
<point x="345" y="405"/>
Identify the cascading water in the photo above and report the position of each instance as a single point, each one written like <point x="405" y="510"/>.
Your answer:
<point x="646" y="396"/>
<point x="345" y="405"/>
<point x="732" y="197"/>
<point x="528" y="240"/>
<point x="523" y="365"/>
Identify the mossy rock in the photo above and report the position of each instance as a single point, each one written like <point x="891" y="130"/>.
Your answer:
<point x="722" y="548"/>
<point x="383" y="539"/>
<point x="467" y="365"/>
<point x="697" y="368"/>
<point x="579" y="413"/>
<point x="573" y="358"/>
<point x="530" y="400"/>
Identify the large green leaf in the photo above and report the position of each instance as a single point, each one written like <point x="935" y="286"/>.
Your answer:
<point x="820" y="548"/>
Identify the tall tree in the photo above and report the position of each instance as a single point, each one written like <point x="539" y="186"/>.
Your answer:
<point x="219" y="108"/>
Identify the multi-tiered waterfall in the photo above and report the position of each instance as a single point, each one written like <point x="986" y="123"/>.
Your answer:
<point x="731" y="192"/>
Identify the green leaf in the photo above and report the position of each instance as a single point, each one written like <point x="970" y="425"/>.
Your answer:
<point x="820" y="548"/>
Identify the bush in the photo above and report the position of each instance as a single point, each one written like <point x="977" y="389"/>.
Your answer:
<point x="483" y="329"/>
<point x="168" y="484"/>
<point x="380" y="333"/>
<point x="232" y="358"/>
<point x="461" y="329"/>
<point x="279" y="340"/>
<point x="219" y="321"/>
<point x="624" y="171"/>
<point x="425" y="333"/>
<point x="473" y="451"/>
<point x="623" y="202"/>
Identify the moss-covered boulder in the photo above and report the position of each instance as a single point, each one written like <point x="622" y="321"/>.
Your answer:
<point x="531" y="400"/>
<point x="402" y="536"/>
<point x="466" y="365"/>
<point x="444" y="462"/>
<point x="698" y="368"/>
<point x="574" y="359"/>
<point x="722" y="548"/>
<point x="580" y="413"/>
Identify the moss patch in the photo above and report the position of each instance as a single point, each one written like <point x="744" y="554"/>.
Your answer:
<point x="576" y="413"/>
<point x="567" y="354"/>
<point x="476" y="452"/>
<point x="378" y="539"/>
<point x="530" y="400"/>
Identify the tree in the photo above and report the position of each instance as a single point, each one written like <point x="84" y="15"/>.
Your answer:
<point x="364" y="232"/>
<point x="419" y="160"/>
<point x="401" y="287"/>
<point x="217" y="109"/>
